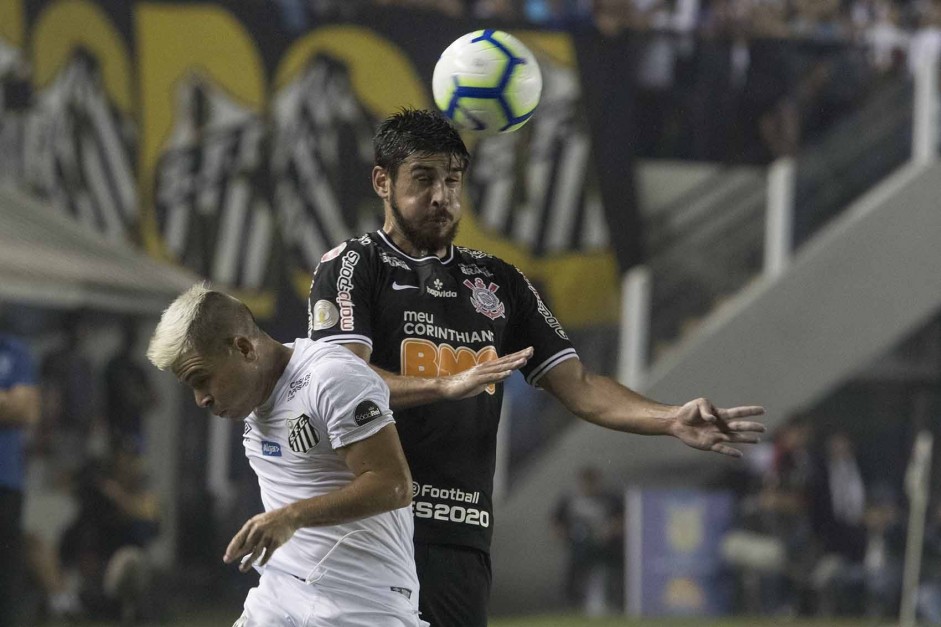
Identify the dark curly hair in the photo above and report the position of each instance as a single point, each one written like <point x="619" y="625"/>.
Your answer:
<point x="417" y="131"/>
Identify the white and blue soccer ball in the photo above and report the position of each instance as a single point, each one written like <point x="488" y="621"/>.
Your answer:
<point x="487" y="81"/>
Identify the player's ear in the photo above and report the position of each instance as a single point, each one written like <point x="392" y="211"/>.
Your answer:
<point x="244" y="346"/>
<point x="381" y="182"/>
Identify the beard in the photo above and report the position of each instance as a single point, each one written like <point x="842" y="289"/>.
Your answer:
<point x="426" y="234"/>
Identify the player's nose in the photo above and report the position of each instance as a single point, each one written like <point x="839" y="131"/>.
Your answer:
<point x="438" y="194"/>
<point x="202" y="399"/>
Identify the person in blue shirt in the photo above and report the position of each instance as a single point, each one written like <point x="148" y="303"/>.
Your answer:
<point x="19" y="408"/>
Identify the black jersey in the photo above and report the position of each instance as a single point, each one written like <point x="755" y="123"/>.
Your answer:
<point x="432" y="317"/>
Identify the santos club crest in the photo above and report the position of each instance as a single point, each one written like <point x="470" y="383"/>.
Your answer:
<point x="485" y="299"/>
<point x="303" y="436"/>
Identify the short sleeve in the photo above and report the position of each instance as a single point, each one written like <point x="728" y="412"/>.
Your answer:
<point x="339" y="302"/>
<point x="532" y="324"/>
<point x="352" y="400"/>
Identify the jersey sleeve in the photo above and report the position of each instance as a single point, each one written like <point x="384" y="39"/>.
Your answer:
<point x="532" y="324"/>
<point x="352" y="400"/>
<point x="339" y="303"/>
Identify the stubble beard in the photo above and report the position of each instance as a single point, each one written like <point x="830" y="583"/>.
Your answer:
<point x="423" y="241"/>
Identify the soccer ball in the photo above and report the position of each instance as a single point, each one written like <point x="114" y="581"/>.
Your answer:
<point x="487" y="81"/>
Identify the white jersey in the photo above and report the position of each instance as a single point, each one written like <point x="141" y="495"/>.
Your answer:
<point x="328" y="398"/>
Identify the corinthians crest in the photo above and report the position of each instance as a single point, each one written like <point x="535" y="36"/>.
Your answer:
<point x="303" y="436"/>
<point x="485" y="299"/>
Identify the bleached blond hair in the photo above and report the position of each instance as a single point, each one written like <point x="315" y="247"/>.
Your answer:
<point x="201" y="320"/>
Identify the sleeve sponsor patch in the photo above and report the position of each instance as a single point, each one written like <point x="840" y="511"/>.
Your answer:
<point x="333" y="253"/>
<point x="324" y="315"/>
<point x="367" y="411"/>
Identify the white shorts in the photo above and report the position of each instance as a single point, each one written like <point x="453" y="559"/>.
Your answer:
<point x="282" y="600"/>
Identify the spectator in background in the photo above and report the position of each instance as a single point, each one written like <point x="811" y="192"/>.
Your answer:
<point x="837" y="512"/>
<point x="105" y="545"/>
<point x="451" y="8"/>
<point x="784" y="502"/>
<point x="882" y="32"/>
<point x="70" y="398"/>
<point x="656" y="67"/>
<point x="720" y="68"/>
<point x="495" y="9"/>
<point x="129" y="394"/>
<point x="558" y="13"/>
<point x="590" y="522"/>
<point x="926" y="41"/>
<point x="885" y="553"/>
<point x="19" y="409"/>
<point x="929" y="589"/>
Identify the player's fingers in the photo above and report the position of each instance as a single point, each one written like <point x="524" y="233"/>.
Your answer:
<point x="706" y="410"/>
<point x="515" y="358"/>
<point x="246" y="564"/>
<point x="269" y="549"/>
<point x="495" y="377"/>
<point x="741" y="412"/>
<point x="236" y="546"/>
<point x="725" y="449"/>
<point x="746" y="425"/>
<point x="744" y="438"/>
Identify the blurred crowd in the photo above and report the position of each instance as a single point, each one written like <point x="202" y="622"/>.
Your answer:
<point x="89" y="511"/>
<point x="882" y="23"/>
<point x="822" y="532"/>
<point x="775" y="73"/>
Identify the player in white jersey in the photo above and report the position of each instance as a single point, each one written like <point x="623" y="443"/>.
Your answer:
<point x="334" y="546"/>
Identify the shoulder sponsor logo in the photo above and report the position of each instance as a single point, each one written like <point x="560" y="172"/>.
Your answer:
<point x="399" y="286"/>
<point x="296" y="386"/>
<point x="333" y="254"/>
<point x="389" y="260"/>
<point x="324" y="315"/>
<point x="484" y="298"/>
<point x="472" y="269"/>
<point x="367" y="411"/>
<point x="246" y="430"/>
<point x="270" y="449"/>
<point x="551" y="320"/>
<point x="405" y="592"/>
<point x="345" y="289"/>
<point x="476" y="254"/>
<point x="302" y="436"/>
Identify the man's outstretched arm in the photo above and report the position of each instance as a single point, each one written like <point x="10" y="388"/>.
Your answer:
<point x="605" y="402"/>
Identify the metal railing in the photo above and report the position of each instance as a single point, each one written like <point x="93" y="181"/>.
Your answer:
<point x="789" y="183"/>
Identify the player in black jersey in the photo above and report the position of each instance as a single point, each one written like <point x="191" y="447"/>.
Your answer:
<point x="444" y="326"/>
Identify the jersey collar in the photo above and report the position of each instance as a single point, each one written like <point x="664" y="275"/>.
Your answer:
<point x="391" y="245"/>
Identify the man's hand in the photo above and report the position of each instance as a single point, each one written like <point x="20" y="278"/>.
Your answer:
<point x="703" y="426"/>
<point x="259" y="537"/>
<point x="475" y="380"/>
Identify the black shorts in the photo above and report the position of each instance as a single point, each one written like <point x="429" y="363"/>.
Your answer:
<point x="455" y="585"/>
<point x="11" y="555"/>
